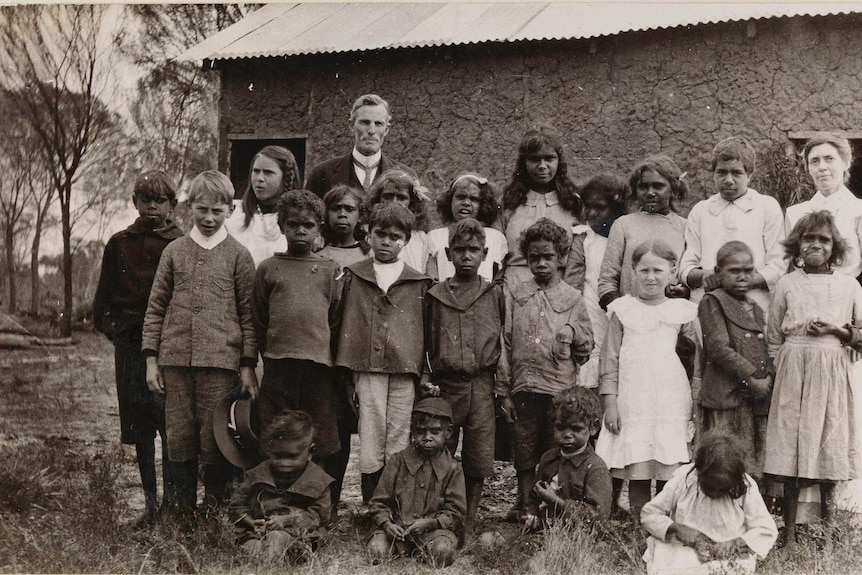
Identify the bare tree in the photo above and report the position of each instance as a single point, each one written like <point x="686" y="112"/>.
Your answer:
<point x="175" y="108"/>
<point x="42" y="195"/>
<point x="54" y="53"/>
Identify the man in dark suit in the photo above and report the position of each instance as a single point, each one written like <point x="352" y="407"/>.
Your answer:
<point x="369" y="122"/>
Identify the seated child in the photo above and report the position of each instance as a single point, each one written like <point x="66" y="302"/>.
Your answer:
<point x="737" y="373"/>
<point x="283" y="502"/>
<point x="710" y="517"/>
<point x="546" y="335"/>
<point x="463" y="320"/>
<point x="419" y="502"/>
<point x="571" y="475"/>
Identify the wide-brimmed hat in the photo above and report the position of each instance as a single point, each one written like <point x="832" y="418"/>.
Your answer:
<point x="236" y="430"/>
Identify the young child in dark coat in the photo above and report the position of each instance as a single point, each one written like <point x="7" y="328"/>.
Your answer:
<point x="128" y="268"/>
<point x="419" y="502"/>
<point x="381" y="340"/>
<point x="463" y="319"/>
<point x="296" y="298"/>
<point x="737" y="373"/>
<point x="282" y="504"/>
<point x="571" y="475"/>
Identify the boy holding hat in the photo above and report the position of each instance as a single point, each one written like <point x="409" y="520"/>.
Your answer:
<point x="419" y="503"/>
<point x="283" y="502"/>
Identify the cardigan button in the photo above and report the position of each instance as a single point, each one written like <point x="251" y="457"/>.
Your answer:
<point x="748" y="335"/>
<point x="196" y="310"/>
<point x="760" y="336"/>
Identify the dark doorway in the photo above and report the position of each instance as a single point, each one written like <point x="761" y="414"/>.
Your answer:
<point x="243" y="149"/>
<point x="855" y="183"/>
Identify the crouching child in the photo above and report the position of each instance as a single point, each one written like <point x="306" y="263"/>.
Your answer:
<point x="419" y="503"/>
<point x="571" y="477"/>
<point x="283" y="503"/>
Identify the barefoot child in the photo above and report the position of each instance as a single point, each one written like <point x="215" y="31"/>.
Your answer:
<point x="571" y="475"/>
<point x="468" y="196"/>
<point x="128" y="270"/>
<point x="199" y="334"/>
<point x="546" y="335"/>
<point x="737" y="373"/>
<point x="710" y="517"/>
<point x="418" y="505"/>
<point x="812" y="435"/>
<point x="463" y="319"/>
<point x="382" y="340"/>
<point x="644" y="381"/>
<point x="296" y="298"/>
<point x="282" y="503"/>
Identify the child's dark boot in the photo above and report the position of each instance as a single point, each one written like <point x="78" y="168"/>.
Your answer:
<point x="369" y="484"/>
<point x="215" y="478"/>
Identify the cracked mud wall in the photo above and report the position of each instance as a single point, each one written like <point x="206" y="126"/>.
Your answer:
<point x="615" y="99"/>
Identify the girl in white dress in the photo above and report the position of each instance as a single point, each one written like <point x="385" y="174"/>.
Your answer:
<point x="468" y="196"/>
<point x="254" y="222"/>
<point x="710" y="517"/>
<point x="402" y="188"/>
<point x="644" y="383"/>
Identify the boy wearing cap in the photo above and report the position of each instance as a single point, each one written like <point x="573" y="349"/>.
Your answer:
<point x="463" y="320"/>
<point x="419" y="503"/>
<point x="283" y="502"/>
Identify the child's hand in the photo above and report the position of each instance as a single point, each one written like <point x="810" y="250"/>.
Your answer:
<point x="677" y="291"/>
<point x="532" y="522"/>
<point x="547" y="493"/>
<point x="279" y="522"/>
<point x="759" y="387"/>
<point x="427" y="387"/>
<point x="704" y="551"/>
<point x="394" y="531"/>
<point x="259" y="527"/>
<point x="711" y="282"/>
<point x="819" y="327"/>
<point x="421" y="526"/>
<point x="612" y="417"/>
<point x="507" y="406"/>
<point x="562" y="346"/>
<point x="154" y="376"/>
<point x="248" y="378"/>
<point x="729" y="549"/>
<point x="688" y="536"/>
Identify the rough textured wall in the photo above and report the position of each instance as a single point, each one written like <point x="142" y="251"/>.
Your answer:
<point x="675" y="91"/>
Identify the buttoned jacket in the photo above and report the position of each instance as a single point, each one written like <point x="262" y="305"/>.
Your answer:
<point x="340" y="170"/>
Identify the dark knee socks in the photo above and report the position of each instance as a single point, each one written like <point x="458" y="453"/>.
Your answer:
<point x="215" y="480"/>
<point x="369" y="484"/>
<point x="146" y="455"/>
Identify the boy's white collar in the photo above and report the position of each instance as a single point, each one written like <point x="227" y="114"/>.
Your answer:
<point x="208" y="242"/>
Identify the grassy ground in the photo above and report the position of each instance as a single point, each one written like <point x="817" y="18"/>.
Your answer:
<point x="69" y="494"/>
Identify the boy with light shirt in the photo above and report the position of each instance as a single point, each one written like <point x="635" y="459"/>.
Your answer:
<point x="739" y="213"/>
<point x="198" y="334"/>
<point x="381" y="340"/>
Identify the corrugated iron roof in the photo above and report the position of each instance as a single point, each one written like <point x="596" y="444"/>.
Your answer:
<point x="313" y="28"/>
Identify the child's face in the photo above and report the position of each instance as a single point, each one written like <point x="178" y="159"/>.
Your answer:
<point x="597" y="210"/>
<point x="466" y="200"/>
<point x="429" y="435"/>
<point x="544" y="261"/>
<point x="209" y="214"/>
<point x="653" y="192"/>
<point x="730" y="178"/>
<point x="153" y="209"/>
<point x="653" y="275"/>
<point x="288" y="456"/>
<point x="266" y="178"/>
<point x="816" y="247"/>
<point x="716" y="483"/>
<point x="300" y="230"/>
<point x="342" y="217"/>
<point x="392" y="192"/>
<point x="466" y="255"/>
<point x="736" y="273"/>
<point x="573" y="433"/>
<point x="387" y="243"/>
<point x="542" y="166"/>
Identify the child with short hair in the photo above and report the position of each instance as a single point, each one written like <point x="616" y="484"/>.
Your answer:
<point x="463" y="320"/>
<point x="199" y="334"/>
<point x="604" y="198"/>
<point x="656" y="182"/>
<point x="296" y="298"/>
<point x="812" y="435"/>
<point x="282" y="503"/>
<point x="468" y="196"/>
<point x="397" y="186"/>
<point x="737" y="373"/>
<point x="418" y="505"/>
<point x="710" y="517"/>
<point x="571" y="476"/>
<point x="546" y="335"/>
<point x="648" y="362"/>
<point x="382" y="340"/>
<point x="738" y="213"/>
<point x="128" y="270"/>
<point x="345" y="241"/>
